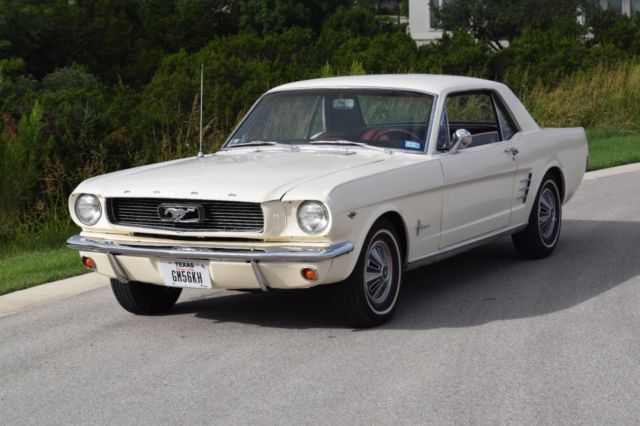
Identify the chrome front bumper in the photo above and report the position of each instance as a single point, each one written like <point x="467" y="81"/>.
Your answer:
<point x="253" y="256"/>
<point x="279" y="254"/>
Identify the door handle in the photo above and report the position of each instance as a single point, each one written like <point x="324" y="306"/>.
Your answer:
<point x="512" y="151"/>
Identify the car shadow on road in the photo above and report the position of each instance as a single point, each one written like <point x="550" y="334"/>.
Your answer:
<point x="490" y="283"/>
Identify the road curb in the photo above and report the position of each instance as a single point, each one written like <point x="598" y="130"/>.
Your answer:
<point x="613" y="171"/>
<point x="21" y="300"/>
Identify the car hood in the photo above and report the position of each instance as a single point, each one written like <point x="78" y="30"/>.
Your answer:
<point x="255" y="175"/>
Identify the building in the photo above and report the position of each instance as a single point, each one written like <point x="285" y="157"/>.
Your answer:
<point x="424" y="29"/>
<point x="628" y="7"/>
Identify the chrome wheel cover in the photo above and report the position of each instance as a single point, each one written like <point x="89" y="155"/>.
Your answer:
<point x="548" y="215"/>
<point x="378" y="272"/>
<point x="382" y="272"/>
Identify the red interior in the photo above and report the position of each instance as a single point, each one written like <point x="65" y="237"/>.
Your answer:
<point x="394" y="132"/>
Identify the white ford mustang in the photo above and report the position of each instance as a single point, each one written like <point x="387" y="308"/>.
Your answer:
<point x="346" y="180"/>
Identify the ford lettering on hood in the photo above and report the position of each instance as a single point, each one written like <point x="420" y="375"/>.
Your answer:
<point x="255" y="174"/>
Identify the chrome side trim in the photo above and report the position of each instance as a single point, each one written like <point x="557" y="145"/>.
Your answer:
<point x="525" y="188"/>
<point x="278" y="254"/>
<point x="121" y="275"/>
<point x="463" y="246"/>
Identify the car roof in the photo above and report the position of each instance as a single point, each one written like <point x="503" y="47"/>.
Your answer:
<point x="430" y="83"/>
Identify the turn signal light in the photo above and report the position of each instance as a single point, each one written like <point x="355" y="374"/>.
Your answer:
<point x="88" y="262"/>
<point x="309" y="274"/>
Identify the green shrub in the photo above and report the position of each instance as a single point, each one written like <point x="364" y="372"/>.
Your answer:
<point x="23" y="152"/>
<point x="546" y="56"/>
<point x="388" y="53"/>
<point x="455" y="54"/>
<point x="616" y="30"/>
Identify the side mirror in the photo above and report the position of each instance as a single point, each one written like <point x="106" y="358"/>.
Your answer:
<point x="461" y="139"/>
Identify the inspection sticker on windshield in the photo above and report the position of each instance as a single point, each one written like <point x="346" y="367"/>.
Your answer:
<point x="186" y="274"/>
<point x="413" y="145"/>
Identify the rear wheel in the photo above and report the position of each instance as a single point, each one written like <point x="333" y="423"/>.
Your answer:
<point x="541" y="235"/>
<point x="368" y="297"/>
<point x="145" y="299"/>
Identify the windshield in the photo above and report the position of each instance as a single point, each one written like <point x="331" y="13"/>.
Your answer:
<point x="381" y="118"/>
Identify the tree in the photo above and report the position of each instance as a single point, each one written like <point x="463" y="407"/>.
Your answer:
<point x="274" y="16"/>
<point x="188" y="24"/>
<point x="457" y="53"/>
<point x="113" y="39"/>
<point x="544" y="55"/>
<point x="496" y="21"/>
<point x="616" y="29"/>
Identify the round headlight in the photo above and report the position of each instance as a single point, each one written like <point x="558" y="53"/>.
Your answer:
<point x="88" y="209"/>
<point x="313" y="217"/>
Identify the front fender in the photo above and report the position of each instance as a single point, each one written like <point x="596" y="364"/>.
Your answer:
<point x="355" y="228"/>
<point x="414" y="194"/>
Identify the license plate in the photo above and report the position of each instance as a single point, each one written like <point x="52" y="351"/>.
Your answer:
<point x="186" y="274"/>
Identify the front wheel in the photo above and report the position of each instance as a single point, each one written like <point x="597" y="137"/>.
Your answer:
<point x="541" y="235"/>
<point x="368" y="297"/>
<point x="145" y="299"/>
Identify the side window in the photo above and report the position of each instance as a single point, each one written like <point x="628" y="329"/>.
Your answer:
<point x="506" y="124"/>
<point x="474" y="112"/>
<point x="471" y="108"/>
<point x="443" y="134"/>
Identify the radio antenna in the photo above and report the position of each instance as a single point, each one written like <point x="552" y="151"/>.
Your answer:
<point x="200" y="153"/>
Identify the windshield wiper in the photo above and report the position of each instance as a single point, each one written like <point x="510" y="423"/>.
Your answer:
<point x="346" y="142"/>
<point x="266" y="143"/>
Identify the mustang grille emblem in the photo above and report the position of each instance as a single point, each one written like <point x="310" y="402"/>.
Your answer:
<point x="181" y="213"/>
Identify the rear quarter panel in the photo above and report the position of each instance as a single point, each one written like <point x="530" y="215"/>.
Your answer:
<point x="539" y="151"/>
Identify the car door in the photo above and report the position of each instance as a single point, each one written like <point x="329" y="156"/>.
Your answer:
<point x="478" y="179"/>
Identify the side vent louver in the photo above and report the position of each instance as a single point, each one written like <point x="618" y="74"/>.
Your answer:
<point x="524" y="189"/>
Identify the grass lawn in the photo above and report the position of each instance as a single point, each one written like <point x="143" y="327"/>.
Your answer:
<point x="610" y="148"/>
<point x="28" y="269"/>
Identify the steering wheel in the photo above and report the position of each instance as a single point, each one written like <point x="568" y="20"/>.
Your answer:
<point x="385" y="135"/>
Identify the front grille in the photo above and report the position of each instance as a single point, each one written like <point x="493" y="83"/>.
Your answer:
<point x="219" y="216"/>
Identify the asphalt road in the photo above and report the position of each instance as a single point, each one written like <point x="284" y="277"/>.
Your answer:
<point x="482" y="338"/>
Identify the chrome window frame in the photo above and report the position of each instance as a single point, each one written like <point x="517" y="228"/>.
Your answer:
<point x="493" y="95"/>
